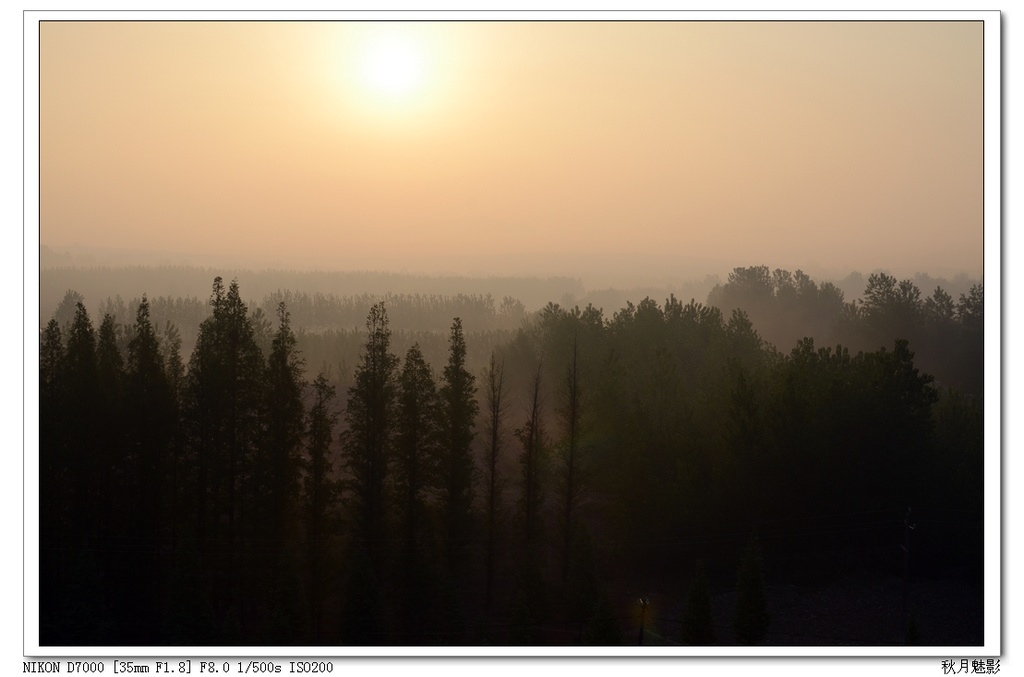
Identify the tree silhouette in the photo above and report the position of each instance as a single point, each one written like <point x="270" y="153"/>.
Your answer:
<point x="892" y="309"/>
<point x="83" y="393"/>
<point x="572" y="455"/>
<point x="53" y="478"/>
<point x="225" y="398"/>
<point x="366" y="444"/>
<point x="529" y="604"/>
<point x="458" y="414"/>
<point x="320" y="491"/>
<point x="284" y="428"/>
<point x="67" y="309"/>
<point x="494" y="395"/>
<point x="416" y="443"/>
<point x="415" y="473"/>
<point x="275" y="562"/>
<point x="110" y="410"/>
<point x="151" y="421"/>
<point x="51" y="430"/>
<point x="532" y="438"/>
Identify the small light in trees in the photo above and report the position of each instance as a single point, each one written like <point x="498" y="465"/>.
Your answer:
<point x="644" y="603"/>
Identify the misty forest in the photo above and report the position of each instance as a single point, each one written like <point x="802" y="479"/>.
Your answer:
<point x="774" y="460"/>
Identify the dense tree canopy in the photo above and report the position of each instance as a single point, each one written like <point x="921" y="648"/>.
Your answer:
<point x="226" y="500"/>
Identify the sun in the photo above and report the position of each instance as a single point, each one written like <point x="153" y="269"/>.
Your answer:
<point x="393" y="66"/>
<point x="390" y="75"/>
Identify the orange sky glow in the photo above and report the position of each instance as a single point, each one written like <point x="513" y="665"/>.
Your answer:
<point x="467" y="147"/>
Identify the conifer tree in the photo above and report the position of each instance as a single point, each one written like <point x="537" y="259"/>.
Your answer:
<point x="416" y="443"/>
<point x="320" y="491"/>
<point x="366" y="450"/>
<point x="366" y="444"/>
<point x="109" y="362"/>
<point x="177" y="470"/>
<point x="67" y="308"/>
<point x="51" y="358"/>
<point x="53" y="477"/>
<point x="275" y="565"/>
<point x="415" y="472"/>
<point x="225" y="409"/>
<point x="458" y="414"/>
<point x="571" y="455"/>
<point x="226" y="394"/>
<point x="170" y="348"/>
<point x="284" y="428"/>
<point x="51" y="425"/>
<point x="150" y="423"/>
<point x="495" y="402"/>
<point x="532" y="438"/>
<point x="81" y="415"/>
<point x="110" y="453"/>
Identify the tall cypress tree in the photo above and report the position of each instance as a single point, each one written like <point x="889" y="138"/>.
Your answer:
<point x="109" y="362"/>
<point x="111" y="385"/>
<point x="284" y="428"/>
<point x="532" y="438"/>
<point x="370" y="418"/>
<point x="83" y="397"/>
<point x="416" y="444"/>
<point x="205" y="414"/>
<point x="225" y="405"/>
<point x="177" y="471"/>
<point x="571" y="456"/>
<point x="495" y="401"/>
<point x="320" y="492"/>
<point x="276" y="484"/>
<point x="51" y="361"/>
<point x="150" y="422"/>
<point x="53" y="477"/>
<point x="528" y="594"/>
<point x="366" y="450"/>
<point x="112" y="497"/>
<point x="415" y="473"/>
<point x="51" y="427"/>
<point x="458" y="414"/>
<point x="226" y="374"/>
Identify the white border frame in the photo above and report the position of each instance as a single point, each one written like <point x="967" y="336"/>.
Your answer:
<point x="993" y="337"/>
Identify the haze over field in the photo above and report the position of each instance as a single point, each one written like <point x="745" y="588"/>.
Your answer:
<point x="631" y="150"/>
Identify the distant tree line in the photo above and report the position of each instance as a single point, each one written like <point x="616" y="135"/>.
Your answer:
<point x="328" y="326"/>
<point x="228" y="499"/>
<point x="100" y="282"/>
<point x="413" y="312"/>
<point x="945" y="330"/>
<point x="946" y="333"/>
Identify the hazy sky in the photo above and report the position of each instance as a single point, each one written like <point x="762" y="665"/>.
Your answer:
<point x="483" y="147"/>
